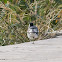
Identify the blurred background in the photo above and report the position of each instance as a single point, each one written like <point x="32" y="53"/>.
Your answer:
<point x="15" y="16"/>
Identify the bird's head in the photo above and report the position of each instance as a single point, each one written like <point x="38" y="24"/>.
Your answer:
<point x="31" y="24"/>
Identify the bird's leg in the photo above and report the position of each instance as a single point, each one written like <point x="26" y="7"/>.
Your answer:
<point x="33" y="41"/>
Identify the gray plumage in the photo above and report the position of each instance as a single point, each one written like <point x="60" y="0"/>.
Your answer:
<point x="32" y="32"/>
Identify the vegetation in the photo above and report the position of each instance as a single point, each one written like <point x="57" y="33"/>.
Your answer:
<point x="15" y="15"/>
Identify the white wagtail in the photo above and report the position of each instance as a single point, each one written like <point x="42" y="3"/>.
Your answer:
<point x="32" y="32"/>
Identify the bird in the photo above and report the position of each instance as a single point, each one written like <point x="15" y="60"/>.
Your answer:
<point x="32" y="32"/>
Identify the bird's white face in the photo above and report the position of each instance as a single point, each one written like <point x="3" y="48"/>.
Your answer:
<point x="30" y="30"/>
